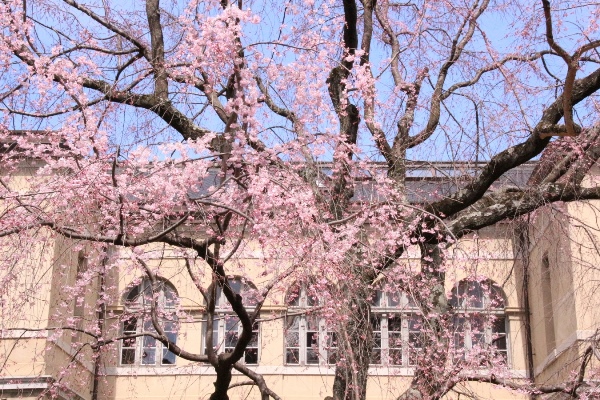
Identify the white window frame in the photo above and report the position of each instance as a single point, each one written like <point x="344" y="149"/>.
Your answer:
<point x="139" y="311"/>
<point x="385" y="306"/>
<point x="223" y="313"/>
<point x="325" y="345"/>
<point x="488" y="310"/>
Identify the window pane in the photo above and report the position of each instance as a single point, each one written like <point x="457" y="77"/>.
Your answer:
<point x="475" y="295"/>
<point x="395" y="356"/>
<point x="499" y="325"/>
<point x="292" y="323"/>
<point x="133" y="294"/>
<point x="395" y="324"/>
<point x="500" y="342"/>
<point x="292" y="356"/>
<point x="231" y="332"/>
<point x="149" y="356"/>
<point x="231" y="338"/>
<point x="377" y="297"/>
<point x="411" y="300"/>
<point x="127" y="356"/>
<point x="246" y="290"/>
<point x="394" y="299"/>
<point x="149" y="341"/>
<point x="130" y="325"/>
<point x="148" y="326"/>
<point x="375" y="356"/>
<point x="377" y="340"/>
<point x="251" y="356"/>
<point x="395" y="339"/>
<point x="170" y="296"/>
<point x="376" y="323"/>
<point x="172" y="336"/>
<point x="170" y="326"/>
<point x="496" y="297"/>
<point x="312" y="323"/>
<point x="168" y="358"/>
<point x="478" y="339"/>
<point x="215" y="334"/>
<point x="293" y="296"/>
<point x="312" y="300"/>
<point x="235" y="285"/>
<point x="231" y="323"/>
<point x="312" y="339"/>
<point x="292" y="339"/>
<point x="312" y="356"/>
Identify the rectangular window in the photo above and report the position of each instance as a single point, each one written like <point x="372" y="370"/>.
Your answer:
<point x="146" y="350"/>
<point x="480" y="331"/>
<point x="308" y="341"/>
<point x="396" y="339"/>
<point x="226" y="333"/>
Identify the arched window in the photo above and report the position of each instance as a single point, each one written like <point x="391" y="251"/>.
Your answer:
<point x="226" y="325"/>
<point x="307" y="339"/>
<point x="396" y="329"/>
<point x="480" y="321"/>
<point x="146" y="350"/>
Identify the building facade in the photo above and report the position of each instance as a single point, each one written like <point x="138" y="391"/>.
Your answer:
<point x="536" y="280"/>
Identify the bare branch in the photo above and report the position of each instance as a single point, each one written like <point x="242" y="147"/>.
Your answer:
<point x="110" y="26"/>
<point x="161" y="85"/>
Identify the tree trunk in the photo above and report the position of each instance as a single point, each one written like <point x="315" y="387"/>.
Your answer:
<point x="428" y="382"/>
<point x="222" y="383"/>
<point x="354" y="333"/>
<point x="355" y="342"/>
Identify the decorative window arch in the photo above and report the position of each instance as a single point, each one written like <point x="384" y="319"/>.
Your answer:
<point x="480" y="321"/>
<point x="239" y="286"/>
<point x="226" y="325"/>
<point x="146" y="350"/>
<point x="396" y="324"/>
<point x="307" y="338"/>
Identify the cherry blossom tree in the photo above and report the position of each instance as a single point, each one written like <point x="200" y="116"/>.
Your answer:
<point x="203" y="125"/>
